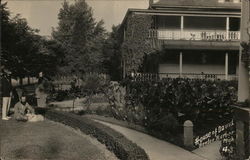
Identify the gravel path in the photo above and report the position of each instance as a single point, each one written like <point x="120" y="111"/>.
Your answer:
<point x="155" y="148"/>
<point x="48" y="140"/>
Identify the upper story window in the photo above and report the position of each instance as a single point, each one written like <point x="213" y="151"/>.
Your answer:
<point x="232" y="1"/>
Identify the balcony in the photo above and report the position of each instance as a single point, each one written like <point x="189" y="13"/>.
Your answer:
<point x="194" y="39"/>
<point x="195" y="35"/>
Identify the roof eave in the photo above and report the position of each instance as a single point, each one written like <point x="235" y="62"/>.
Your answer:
<point x="198" y="7"/>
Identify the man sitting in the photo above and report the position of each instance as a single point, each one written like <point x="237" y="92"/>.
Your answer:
<point x="24" y="112"/>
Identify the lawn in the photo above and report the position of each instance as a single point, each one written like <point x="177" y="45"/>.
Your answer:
<point x="48" y="140"/>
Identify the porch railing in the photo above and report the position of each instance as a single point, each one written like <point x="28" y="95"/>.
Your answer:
<point x="160" y="76"/>
<point x="194" y="35"/>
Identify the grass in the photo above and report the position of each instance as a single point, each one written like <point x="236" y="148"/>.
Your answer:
<point x="47" y="140"/>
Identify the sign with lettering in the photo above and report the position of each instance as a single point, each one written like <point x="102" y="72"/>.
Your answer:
<point x="220" y="132"/>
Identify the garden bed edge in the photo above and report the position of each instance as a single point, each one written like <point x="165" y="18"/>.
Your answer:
<point x="123" y="148"/>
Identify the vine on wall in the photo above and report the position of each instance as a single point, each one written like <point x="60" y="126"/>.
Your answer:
<point x="136" y="43"/>
<point x="246" y="53"/>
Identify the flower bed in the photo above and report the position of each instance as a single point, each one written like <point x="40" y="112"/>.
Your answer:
<point x="115" y="142"/>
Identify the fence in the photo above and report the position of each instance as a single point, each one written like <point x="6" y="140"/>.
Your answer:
<point x="160" y="76"/>
<point x="26" y="81"/>
<point x="65" y="82"/>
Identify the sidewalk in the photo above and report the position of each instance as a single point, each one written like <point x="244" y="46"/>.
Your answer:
<point x="68" y="104"/>
<point x="155" y="148"/>
<point x="211" y="151"/>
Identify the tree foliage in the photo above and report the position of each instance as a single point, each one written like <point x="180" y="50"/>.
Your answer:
<point x="52" y="57"/>
<point x="24" y="52"/>
<point x="136" y="43"/>
<point x="81" y="36"/>
<point x="246" y="53"/>
<point x="112" y="54"/>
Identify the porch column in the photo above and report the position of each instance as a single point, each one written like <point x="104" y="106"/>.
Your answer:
<point x="227" y="28"/>
<point x="180" y="64"/>
<point x="226" y="66"/>
<point x="182" y="27"/>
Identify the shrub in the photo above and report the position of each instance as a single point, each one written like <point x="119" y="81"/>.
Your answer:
<point x="93" y="83"/>
<point x="199" y="100"/>
<point x="115" y="95"/>
<point x="87" y="86"/>
<point x="123" y="148"/>
<point x="100" y="110"/>
<point x="165" y="124"/>
<point x="59" y="95"/>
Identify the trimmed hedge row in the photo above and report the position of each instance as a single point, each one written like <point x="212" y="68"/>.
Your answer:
<point x="123" y="148"/>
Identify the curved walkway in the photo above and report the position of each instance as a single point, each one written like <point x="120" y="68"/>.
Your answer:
<point x="48" y="140"/>
<point x="155" y="148"/>
<point x="210" y="151"/>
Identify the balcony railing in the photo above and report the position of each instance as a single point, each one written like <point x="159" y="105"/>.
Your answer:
<point x="195" y="35"/>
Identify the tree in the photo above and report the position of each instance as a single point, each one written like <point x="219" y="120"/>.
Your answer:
<point x="19" y="43"/>
<point x="6" y="31"/>
<point x="53" y="57"/>
<point x="112" y="54"/>
<point x="24" y="52"/>
<point x="81" y="36"/>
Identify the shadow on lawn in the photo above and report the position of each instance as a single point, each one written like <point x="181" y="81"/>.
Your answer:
<point x="50" y="150"/>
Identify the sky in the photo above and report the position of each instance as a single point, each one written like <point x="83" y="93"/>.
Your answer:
<point x="42" y="14"/>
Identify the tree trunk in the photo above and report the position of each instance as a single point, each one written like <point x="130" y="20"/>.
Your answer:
<point x="20" y="81"/>
<point x="28" y="79"/>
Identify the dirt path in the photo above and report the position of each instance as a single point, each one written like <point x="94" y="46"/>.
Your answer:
<point x="48" y="140"/>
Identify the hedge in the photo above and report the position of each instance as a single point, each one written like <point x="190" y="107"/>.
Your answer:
<point x="123" y="148"/>
<point x="198" y="100"/>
